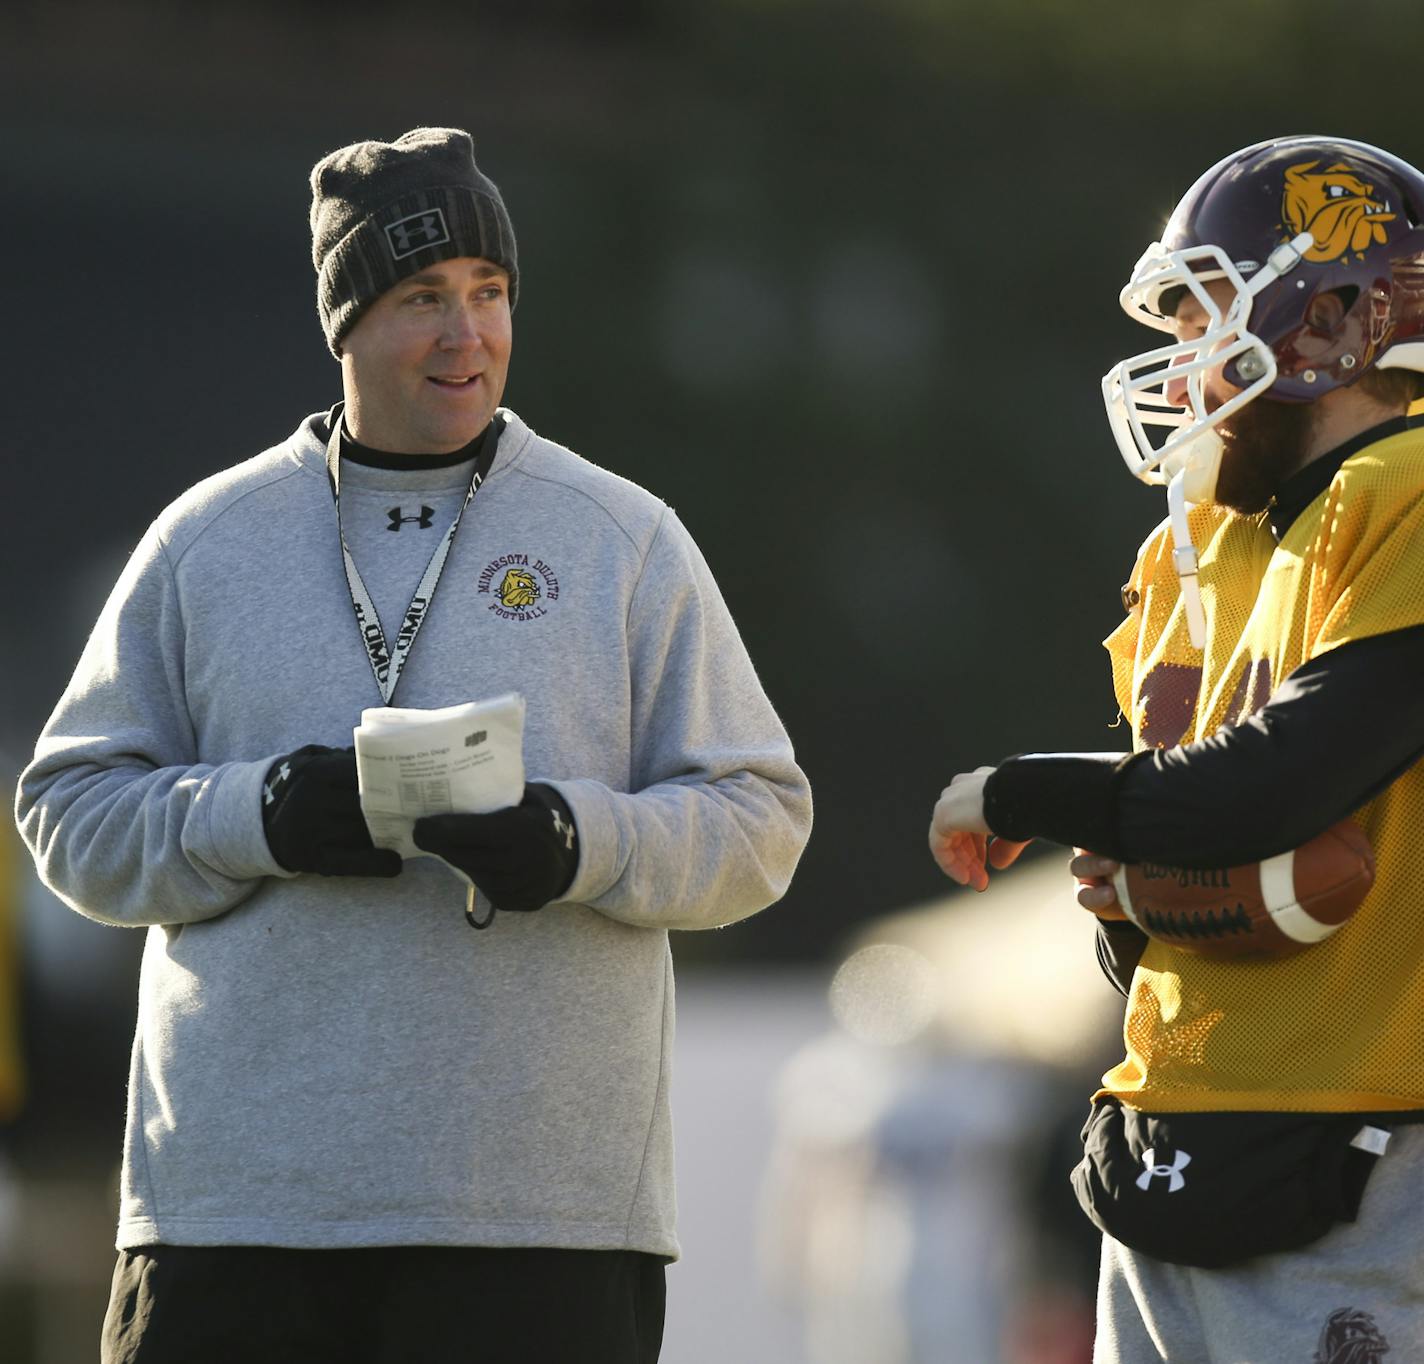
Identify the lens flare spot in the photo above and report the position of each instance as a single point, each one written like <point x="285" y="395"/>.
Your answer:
<point x="884" y="994"/>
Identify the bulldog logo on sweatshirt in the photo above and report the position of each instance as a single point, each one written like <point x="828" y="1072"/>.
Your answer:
<point x="520" y="587"/>
<point x="518" y="590"/>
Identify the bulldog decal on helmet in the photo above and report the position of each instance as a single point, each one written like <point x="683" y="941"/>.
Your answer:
<point x="1337" y="207"/>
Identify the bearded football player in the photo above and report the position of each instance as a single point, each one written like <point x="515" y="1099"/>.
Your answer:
<point x="1256" y="1160"/>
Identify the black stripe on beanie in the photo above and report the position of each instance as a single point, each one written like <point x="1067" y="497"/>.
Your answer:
<point x="383" y="211"/>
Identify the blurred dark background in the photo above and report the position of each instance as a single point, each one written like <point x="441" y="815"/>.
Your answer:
<point x="837" y="280"/>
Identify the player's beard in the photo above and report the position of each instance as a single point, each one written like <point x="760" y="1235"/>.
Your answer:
<point x="1262" y="447"/>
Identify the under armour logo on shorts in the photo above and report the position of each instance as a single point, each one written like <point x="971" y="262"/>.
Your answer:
<point x="1171" y="1173"/>
<point x="416" y="231"/>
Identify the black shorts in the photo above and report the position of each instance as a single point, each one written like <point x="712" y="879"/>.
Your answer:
<point x="431" y="1304"/>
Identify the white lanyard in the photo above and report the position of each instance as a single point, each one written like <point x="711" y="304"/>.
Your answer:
<point x="387" y="664"/>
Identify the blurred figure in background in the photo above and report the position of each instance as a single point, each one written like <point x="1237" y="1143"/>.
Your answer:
<point x="916" y="1208"/>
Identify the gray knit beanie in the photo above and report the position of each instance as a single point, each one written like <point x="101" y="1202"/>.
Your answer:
<point x="384" y="210"/>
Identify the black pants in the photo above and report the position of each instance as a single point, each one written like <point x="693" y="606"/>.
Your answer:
<point x="412" y="1304"/>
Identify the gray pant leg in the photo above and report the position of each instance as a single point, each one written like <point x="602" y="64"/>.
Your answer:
<point x="1356" y="1296"/>
<point x="1146" y="1312"/>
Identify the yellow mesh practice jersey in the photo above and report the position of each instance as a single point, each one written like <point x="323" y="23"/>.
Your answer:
<point x="1340" y="1026"/>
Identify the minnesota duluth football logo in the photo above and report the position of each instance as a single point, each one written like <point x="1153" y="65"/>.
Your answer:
<point x="1337" y="207"/>
<point x="521" y="587"/>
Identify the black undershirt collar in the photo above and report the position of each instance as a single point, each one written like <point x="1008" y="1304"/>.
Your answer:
<point x="357" y="453"/>
<point x="1303" y="487"/>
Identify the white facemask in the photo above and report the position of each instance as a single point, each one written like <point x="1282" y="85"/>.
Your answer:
<point x="1164" y="443"/>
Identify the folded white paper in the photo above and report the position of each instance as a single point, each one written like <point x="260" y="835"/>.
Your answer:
<point x="465" y="759"/>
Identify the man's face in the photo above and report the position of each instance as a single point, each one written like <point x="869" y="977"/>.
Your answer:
<point x="1264" y="441"/>
<point x="424" y="366"/>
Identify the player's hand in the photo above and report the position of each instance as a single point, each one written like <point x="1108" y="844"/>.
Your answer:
<point x="1095" y="885"/>
<point x="960" y="841"/>
<point x="521" y="857"/>
<point x="311" y="814"/>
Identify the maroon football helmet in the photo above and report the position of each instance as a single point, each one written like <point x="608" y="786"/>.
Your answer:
<point x="1284" y="222"/>
<point x="1365" y="211"/>
<point x="1245" y="220"/>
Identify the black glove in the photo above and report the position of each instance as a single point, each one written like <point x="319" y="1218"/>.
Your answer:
<point x="520" y="857"/>
<point x="311" y="812"/>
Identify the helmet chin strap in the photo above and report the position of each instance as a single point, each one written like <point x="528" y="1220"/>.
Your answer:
<point x="1193" y="480"/>
<point x="1184" y="558"/>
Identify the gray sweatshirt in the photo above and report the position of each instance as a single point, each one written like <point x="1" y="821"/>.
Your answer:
<point x="342" y="1061"/>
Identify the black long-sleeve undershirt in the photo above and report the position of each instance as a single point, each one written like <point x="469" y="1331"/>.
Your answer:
<point x="1334" y="734"/>
<point x="1337" y="731"/>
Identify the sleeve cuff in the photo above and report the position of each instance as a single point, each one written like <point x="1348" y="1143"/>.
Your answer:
<point x="601" y="856"/>
<point x="1070" y="798"/>
<point x="232" y="838"/>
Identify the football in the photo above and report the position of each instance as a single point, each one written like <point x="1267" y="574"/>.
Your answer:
<point x="1272" y="908"/>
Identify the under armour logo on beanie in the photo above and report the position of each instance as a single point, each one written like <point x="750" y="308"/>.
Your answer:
<point x="382" y="211"/>
<point x="419" y="230"/>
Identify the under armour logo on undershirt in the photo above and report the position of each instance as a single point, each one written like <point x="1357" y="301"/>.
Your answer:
<point x="417" y="231"/>
<point x="423" y="520"/>
<point x="269" y="789"/>
<point x="567" y="830"/>
<point x="1171" y="1173"/>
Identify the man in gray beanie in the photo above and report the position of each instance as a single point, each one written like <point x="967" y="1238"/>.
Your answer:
<point x="358" y="1131"/>
<point x="384" y="210"/>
